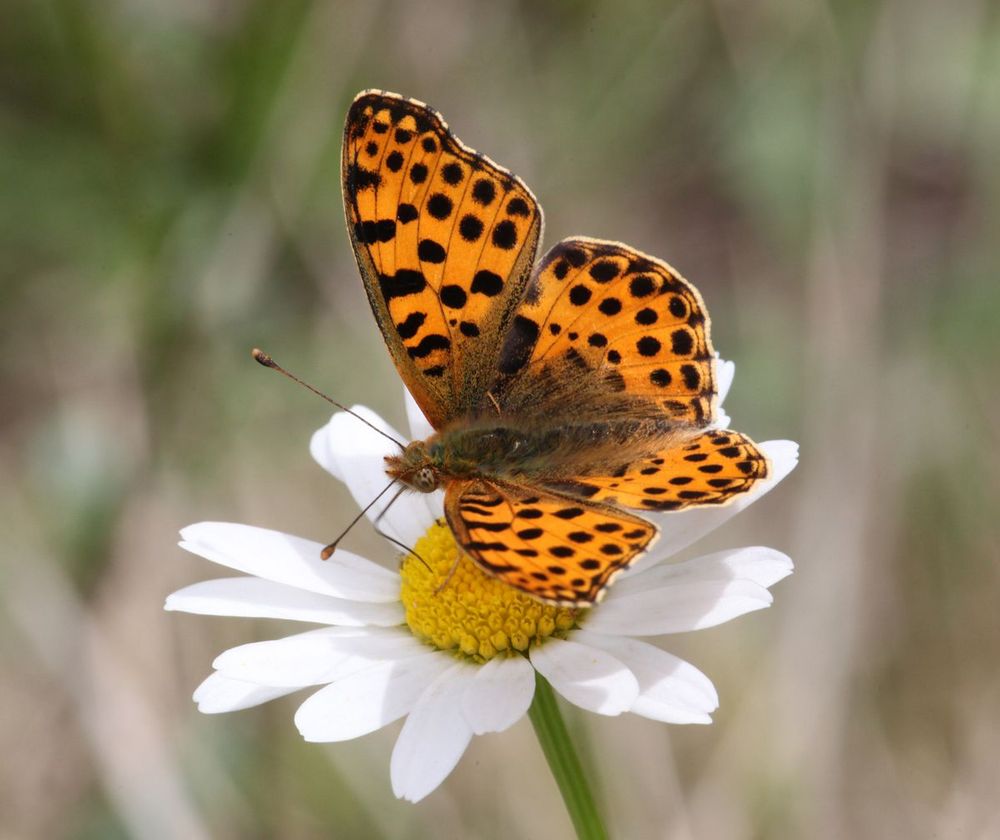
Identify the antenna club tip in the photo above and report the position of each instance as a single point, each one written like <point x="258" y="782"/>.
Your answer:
<point x="261" y="357"/>
<point x="327" y="552"/>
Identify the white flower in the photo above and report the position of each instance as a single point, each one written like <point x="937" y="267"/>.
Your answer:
<point x="370" y="668"/>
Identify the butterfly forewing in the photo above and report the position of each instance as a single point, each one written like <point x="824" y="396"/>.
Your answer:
<point x="445" y="240"/>
<point x="627" y="318"/>
<point x="559" y="550"/>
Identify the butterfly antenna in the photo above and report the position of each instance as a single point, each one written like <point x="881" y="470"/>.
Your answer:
<point x="327" y="552"/>
<point x="262" y="358"/>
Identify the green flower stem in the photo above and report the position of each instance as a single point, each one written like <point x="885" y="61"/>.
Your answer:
<point x="564" y="763"/>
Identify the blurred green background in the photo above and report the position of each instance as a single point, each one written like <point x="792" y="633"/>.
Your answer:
<point x="825" y="172"/>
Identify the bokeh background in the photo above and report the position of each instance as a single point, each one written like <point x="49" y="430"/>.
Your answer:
<point x="825" y="172"/>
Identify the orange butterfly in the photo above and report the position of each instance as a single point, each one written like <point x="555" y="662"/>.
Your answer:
<point x="564" y="392"/>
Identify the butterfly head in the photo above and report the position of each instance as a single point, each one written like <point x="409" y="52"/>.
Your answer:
<point x="414" y="467"/>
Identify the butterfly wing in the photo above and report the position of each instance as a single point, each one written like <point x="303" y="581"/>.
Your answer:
<point x="556" y="549"/>
<point x="710" y="469"/>
<point x="624" y="320"/>
<point x="623" y="340"/>
<point x="445" y="240"/>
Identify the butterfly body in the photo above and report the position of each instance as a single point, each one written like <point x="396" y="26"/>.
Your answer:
<point x="533" y="451"/>
<point x="568" y="394"/>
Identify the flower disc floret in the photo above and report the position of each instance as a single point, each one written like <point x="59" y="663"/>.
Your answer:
<point x="454" y="606"/>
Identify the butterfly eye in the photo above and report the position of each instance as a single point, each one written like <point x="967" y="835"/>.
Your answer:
<point x="425" y="480"/>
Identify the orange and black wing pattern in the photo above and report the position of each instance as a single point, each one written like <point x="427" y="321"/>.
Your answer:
<point x="445" y="240"/>
<point x="559" y="550"/>
<point x="630" y="319"/>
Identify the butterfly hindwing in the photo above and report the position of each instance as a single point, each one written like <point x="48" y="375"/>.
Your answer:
<point x="556" y="549"/>
<point x="607" y="309"/>
<point x="709" y="469"/>
<point x="445" y="240"/>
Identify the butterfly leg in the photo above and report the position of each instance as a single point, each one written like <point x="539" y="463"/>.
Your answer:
<point x="451" y="573"/>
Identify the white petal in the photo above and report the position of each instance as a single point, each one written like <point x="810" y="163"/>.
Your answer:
<point x="320" y="447"/>
<point x="220" y="694"/>
<point x="677" y="606"/>
<point x="681" y="528"/>
<point x="670" y="689"/>
<point x="590" y="678"/>
<point x="252" y="597"/>
<point x="500" y="694"/>
<point x="317" y="656"/>
<point x="722" y="420"/>
<point x="290" y="560"/>
<point x="434" y="736"/>
<point x="724" y="373"/>
<point x="357" y="454"/>
<point x="420" y="427"/>
<point x="368" y="700"/>
<point x="333" y="444"/>
<point x="762" y="565"/>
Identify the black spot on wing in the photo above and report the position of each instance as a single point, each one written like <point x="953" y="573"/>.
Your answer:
<point x="359" y="178"/>
<point x="660" y="377"/>
<point x="487" y="283"/>
<point x="518" y="207"/>
<point x="518" y="345"/>
<point x="470" y="228"/>
<point x="646" y="316"/>
<point x="682" y="342"/>
<point x="604" y="271"/>
<point x="394" y="161"/>
<point x="641" y="286"/>
<point x="453" y="296"/>
<point x="692" y="379"/>
<point x="408" y="328"/>
<point x="428" y="344"/>
<point x="505" y="235"/>
<point x="483" y="192"/>
<point x="418" y="173"/>
<point x="404" y="282"/>
<point x="452" y="173"/>
<point x="384" y="230"/>
<point x="439" y="206"/>
<point x="648" y="346"/>
<point x="430" y="251"/>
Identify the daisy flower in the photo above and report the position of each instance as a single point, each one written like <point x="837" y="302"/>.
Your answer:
<point x="461" y="659"/>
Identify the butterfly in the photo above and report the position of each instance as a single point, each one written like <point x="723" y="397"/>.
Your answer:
<point x="569" y="394"/>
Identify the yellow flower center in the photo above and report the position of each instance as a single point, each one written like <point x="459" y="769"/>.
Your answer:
<point x="456" y="607"/>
